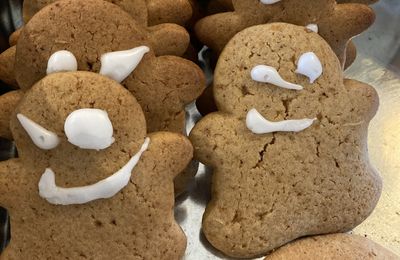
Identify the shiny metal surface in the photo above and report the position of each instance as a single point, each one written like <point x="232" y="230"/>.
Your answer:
<point x="378" y="64"/>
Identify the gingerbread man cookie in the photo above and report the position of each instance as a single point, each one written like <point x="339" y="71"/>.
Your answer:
<point x="96" y="31"/>
<point x="89" y="182"/>
<point x="335" y="246"/>
<point x="336" y="23"/>
<point x="288" y="145"/>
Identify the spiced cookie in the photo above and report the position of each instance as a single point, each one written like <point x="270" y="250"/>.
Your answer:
<point x="89" y="181"/>
<point x="336" y="23"/>
<point x="335" y="246"/>
<point x="288" y="145"/>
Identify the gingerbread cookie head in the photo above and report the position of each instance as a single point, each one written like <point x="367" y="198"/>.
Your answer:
<point x="146" y="12"/>
<point x="89" y="181"/>
<point x="336" y="23"/>
<point x="163" y="85"/>
<point x="288" y="145"/>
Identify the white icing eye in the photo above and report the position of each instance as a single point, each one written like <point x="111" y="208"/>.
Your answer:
<point x="267" y="74"/>
<point x="269" y="2"/>
<point x="40" y="136"/>
<point x="256" y="123"/>
<point x="312" y="27"/>
<point x="61" y="61"/>
<point x="89" y="129"/>
<point x="310" y="66"/>
<point x="118" y="65"/>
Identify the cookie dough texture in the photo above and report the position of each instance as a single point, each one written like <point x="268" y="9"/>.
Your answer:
<point x="146" y="12"/>
<point x="337" y="22"/>
<point x="335" y="246"/>
<point x="163" y="85"/>
<point x="137" y="223"/>
<point x="270" y="189"/>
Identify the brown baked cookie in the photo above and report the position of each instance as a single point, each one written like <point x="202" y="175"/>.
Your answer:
<point x="290" y="162"/>
<point x="168" y="38"/>
<point x="146" y="12"/>
<point x="7" y="59"/>
<point x="335" y="246"/>
<point x="336" y="23"/>
<point x="90" y="183"/>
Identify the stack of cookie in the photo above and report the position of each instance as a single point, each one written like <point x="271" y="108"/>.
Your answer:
<point x="98" y="118"/>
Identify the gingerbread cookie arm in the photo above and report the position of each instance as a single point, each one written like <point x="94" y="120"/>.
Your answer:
<point x="8" y="103"/>
<point x="169" y="39"/>
<point x="216" y="30"/>
<point x="15" y="36"/>
<point x="350" y="20"/>
<point x="364" y="97"/>
<point x="163" y="88"/>
<point x="351" y="54"/>
<point x="7" y="59"/>
<point x="169" y="11"/>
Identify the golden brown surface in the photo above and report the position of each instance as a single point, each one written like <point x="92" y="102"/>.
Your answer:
<point x="8" y="103"/>
<point x="7" y="67"/>
<point x="281" y="186"/>
<point x="337" y="23"/>
<point x="136" y="223"/>
<point x="335" y="246"/>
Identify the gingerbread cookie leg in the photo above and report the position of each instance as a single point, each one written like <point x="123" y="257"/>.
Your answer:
<point x="164" y="88"/>
<point x="169" y="11"/>
<point x="216" y="30"/>
<point x="351" y="20"/>
<point x="169" y="39"/>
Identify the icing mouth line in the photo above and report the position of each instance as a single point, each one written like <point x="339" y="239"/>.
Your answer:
<point x="103" y="189"/>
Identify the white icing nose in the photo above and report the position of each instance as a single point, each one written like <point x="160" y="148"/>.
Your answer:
<point x="89" y="129"/>
<point x="61" y="61"/>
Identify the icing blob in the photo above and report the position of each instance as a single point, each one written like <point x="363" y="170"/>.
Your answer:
<point x="269" y="2"/>
<point x="89" y="128"/>
<point x="40" y="136"/>
<point x="268" y="74"/>
<point x="118" y="65"/>
<point x="103" y="189"/>
<point x="256" y="123"/>
<point x="312" y="27"/>
<point x="310" y="66"/>
<point x="61" y="61"/>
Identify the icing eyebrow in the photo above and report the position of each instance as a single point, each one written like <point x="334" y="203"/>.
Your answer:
<point x="41" y="137"/>
<point x="268" y="74"/>
<point x="119" y="64"/>
<point x="310" y="66"/>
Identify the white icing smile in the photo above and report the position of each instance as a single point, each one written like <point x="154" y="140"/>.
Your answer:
<point x="103" y="189"/>
<point x="256" y="123"/>
<point x="269" y="2"/>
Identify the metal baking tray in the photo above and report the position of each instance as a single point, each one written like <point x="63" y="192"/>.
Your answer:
<point x="378" y="64"/>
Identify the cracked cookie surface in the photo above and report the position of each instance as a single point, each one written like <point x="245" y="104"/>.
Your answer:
<point x="269" y="189"/>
